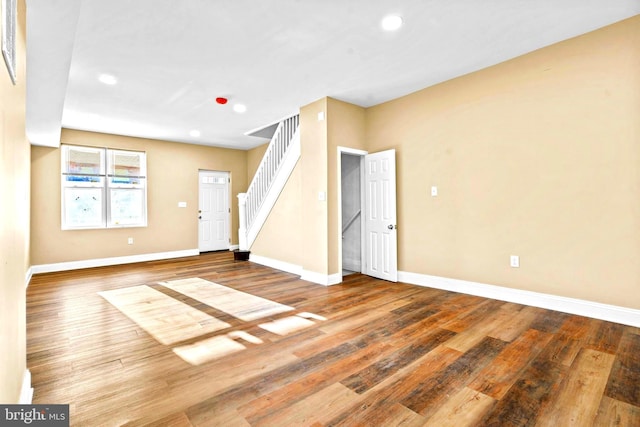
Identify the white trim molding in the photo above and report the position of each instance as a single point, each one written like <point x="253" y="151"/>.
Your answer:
<point x="321" y="279"/>
<point x="349" y="150"/>
<point x="102" y="262"/>
<point x="26" y="393"/>
<point x="278" y="265"/>
<point x="611" y="313"/>
<point x="234" y="247"/>
<point x="309" y="276"/>
<point x="28" y="277"/>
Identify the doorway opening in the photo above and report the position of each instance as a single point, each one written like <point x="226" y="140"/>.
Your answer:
<point x="368" y="241"/>
<point x="351" y="210"/>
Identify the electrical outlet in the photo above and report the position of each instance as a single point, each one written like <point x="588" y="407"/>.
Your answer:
<point x="130" y="241"/>
<point x="515" y="261"/>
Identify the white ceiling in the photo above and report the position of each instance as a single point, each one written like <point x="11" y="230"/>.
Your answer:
<point x="173" y="58"/>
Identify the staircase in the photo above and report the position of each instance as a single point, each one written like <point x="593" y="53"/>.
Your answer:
<point x="277" y="164"/>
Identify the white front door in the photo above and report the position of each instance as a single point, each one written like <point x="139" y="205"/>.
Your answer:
<point x="381" y="241"/>
<point x="213" y="213"/>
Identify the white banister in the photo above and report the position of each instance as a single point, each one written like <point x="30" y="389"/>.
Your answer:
<point x="242" y="231"/>
<point x="272" y="173"/>
<point x="351" y="220"/>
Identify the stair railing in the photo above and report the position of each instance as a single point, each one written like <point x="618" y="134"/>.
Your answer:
<point x="351" y="220"/>
<point x="251" y="202"/>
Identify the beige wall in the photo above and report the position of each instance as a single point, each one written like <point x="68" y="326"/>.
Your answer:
<point x="316" y="236"/>
<point x="297" y="228"/>
<point x="313" y="165"/>
<point x="284" y="225"/>
<point x="14" y="221"/>
<point x="172" y="177"/>
<point x="254" y="157"/>
<point x="537" y="157"/>
<point x="345" y="128"/>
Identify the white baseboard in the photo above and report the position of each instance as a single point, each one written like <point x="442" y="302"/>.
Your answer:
<point x="321" y="279"/>
<point x="278" y="265"/>
<point x="309" y="276"/>
<point x="234" y="247"/>
<point x="26" y="393"/>
<point x="611" y="313"/>
<point x="102" y="262"/>
<point x="28" y="277"/>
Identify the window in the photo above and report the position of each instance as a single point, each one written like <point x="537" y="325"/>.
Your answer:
<point x="103" y="188"/>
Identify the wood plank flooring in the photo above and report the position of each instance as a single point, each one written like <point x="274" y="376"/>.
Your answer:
<point x="363" y="353"/>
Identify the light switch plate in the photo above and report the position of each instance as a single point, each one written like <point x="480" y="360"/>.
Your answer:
<point x="182" y="204"/>
<point x="515" y="261"/>
<point x="322" y="196"/>
<point x="434" y="191"/>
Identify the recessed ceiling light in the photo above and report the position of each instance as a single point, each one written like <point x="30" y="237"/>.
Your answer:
<point x="195" y="133"/>
<point x="107" y="79"/>
<point x="239" y="108"/>
<point x="392" y="22"/>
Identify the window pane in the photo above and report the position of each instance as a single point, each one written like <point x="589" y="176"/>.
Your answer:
<point x="83" y="160"/>
<point x="127" y="207"/>
<point x="125" y="181"/>
<point x="89" y="200"/>
<point x="126" y="163"/>
<point x="82" y="208"/>
<point x="83" y="181"/>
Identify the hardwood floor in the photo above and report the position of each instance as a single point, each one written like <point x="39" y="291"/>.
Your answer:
<point x="385" y="355"/>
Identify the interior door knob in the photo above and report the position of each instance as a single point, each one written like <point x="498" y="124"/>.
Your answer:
<point x="390" y="226"/>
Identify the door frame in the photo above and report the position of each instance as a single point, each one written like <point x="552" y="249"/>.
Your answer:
<point x="229" y="219"/>
<point x="361" y="154"/>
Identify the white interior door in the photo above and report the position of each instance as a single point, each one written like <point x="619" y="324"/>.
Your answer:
<point x="213" y="213"/>
<point x="381" y="241"/>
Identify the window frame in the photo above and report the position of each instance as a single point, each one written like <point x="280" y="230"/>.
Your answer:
<point x="105" y="177"/>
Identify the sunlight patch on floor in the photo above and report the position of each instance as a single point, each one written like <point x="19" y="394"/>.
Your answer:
<point x="287" y="325"/>
<point x="171" y="321"/>
<point x="238" y="304"/>
<point x="245" y="336"/>
<point x="308" y="315"/>
<point x="166" y="319"/>
<point x="208" y="350"/>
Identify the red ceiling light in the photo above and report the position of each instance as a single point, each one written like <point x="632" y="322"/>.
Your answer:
<point x="221" y="100"/>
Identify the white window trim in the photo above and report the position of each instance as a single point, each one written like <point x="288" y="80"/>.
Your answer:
<point x="105" y="186"/>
